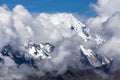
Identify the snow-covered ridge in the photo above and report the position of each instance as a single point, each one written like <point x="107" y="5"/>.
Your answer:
<point x="95" y="60"/>
<point x="65" y="21"/>
<point x="33" y="54"/>
<point x="42" y="50"/>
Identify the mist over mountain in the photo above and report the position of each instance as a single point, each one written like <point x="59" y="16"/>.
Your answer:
<point x="57" y="46"/>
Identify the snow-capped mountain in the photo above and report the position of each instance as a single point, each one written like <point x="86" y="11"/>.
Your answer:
<point x="35" y="52"/>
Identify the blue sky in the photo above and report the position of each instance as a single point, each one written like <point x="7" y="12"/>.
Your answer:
<point x="51" y="6"/>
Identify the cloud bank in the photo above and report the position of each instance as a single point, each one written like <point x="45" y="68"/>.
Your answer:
<point x="107" y="23"/>
<point x="19" y="26"/>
